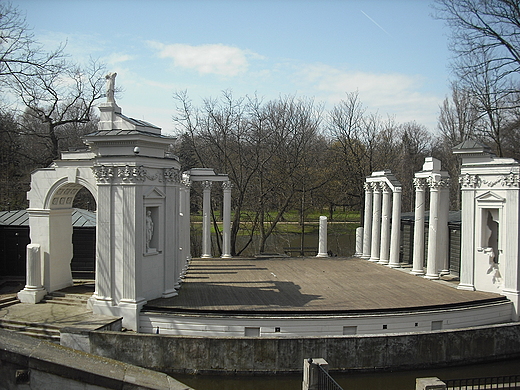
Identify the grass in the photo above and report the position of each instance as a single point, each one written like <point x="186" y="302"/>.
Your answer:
<point x="293" y="216"/>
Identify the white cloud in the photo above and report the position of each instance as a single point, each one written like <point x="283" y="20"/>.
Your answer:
<point x="394" y="94"/>
<point x="117" y="58"/>
<point x="212" y="58"/>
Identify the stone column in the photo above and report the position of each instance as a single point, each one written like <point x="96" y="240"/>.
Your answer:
<point x="468" y="185"/>
<point x="444" y="234"/>
<point x="322" y="245"/>
<point x="418" y="229"/>
<point x="226" y="220"/>
<point x="33" y="291"/>
<point x="376" y="222"/>
<point x="384" y="253"/>
<point x="432" y="267"/>
<point x="186" y="229"/>
<point x="359" y="242"/>
<point x="395" y="239"/>
<point x="206" y="219"/>
<point x="367" y="222"/>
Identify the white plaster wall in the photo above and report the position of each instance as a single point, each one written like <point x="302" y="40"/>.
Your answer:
<point x="234" y="326"/>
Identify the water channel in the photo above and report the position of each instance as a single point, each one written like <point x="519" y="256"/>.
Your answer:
<point x="399" y="380"/>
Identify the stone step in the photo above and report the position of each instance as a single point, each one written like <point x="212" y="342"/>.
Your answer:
<point x="41" y="331"/>
<point x="61" y="298"/>
<point x="8" y="301"/>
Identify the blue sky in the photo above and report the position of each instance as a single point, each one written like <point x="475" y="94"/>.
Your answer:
<point x="393" y="52"/>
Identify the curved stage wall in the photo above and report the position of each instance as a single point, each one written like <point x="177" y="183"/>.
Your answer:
<point x="220" y="324"/>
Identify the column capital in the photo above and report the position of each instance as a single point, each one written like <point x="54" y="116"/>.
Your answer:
<point x="367" y="186"/>
<point x="385" y="188"/>
<point x="207" y="184"/>
<point x="227" y="185"/>
<point x="437" y="183"/>
<point x="419" y="183"/>
<point x="376" y="186"/>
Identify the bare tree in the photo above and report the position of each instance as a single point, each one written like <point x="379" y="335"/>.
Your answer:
<point x="20" y="54"/>
<point x="489" y="26"/>
<point x="354" y="133"/>
<point x="261" y="146"/>
<point x="58" y="100"/>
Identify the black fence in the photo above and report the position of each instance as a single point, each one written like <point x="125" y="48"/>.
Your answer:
<point x="511" y="382"/>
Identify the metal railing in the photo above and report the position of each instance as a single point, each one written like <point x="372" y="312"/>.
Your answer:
<point x="510" y="382"/>
<point x="325" y="381"/>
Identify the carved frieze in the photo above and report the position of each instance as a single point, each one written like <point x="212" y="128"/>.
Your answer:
<point x="171" y="175"/>
<point x="131" y="174"/>
<point x="103" y="174"/>
<point x="475" y="181"/>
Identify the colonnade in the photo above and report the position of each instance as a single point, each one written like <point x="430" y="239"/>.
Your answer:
<point x="207" y="177"/>
<point x="437" y="182"/>
<point x="382" y="219"/>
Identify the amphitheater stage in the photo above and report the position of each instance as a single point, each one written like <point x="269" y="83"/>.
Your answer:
<point x="314" y="296"/>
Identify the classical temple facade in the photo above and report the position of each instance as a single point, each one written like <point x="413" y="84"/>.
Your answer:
<point x="143" y="227"/>
<point x="143" y="219"/>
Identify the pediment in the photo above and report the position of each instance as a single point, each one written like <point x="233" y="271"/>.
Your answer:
<point x="154" y="193"/>
<point x="490" y="197"/>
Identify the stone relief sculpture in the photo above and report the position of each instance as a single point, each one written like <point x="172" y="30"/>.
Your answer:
<point x="149" y="229"/>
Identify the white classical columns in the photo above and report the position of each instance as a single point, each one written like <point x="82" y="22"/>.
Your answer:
<point x="226" y="220"/>
<point x="207" y="177"/>
<point x="382" y="223"/>
<point x="206" y="219"/>
<point x="418" y="229"/>
<point x="395" y="238"/>
<point x="437" y="182"/>
<point x="376" y="223"/>
<point x="384" y="254"/>
<point x="367" y="222"/>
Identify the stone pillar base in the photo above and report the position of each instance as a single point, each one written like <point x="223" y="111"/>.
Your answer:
<point x="468" y="287"/>
<point x="128" y="309"/>
<point x="169" y="293"/>
<point x="417" y="272"/>
<point x="31" y="295"/>
<point x="432" y="276"/>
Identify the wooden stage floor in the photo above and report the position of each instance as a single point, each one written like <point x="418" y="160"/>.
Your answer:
<point x="308" y="285"/>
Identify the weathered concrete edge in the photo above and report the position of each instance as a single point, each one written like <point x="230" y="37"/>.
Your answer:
<point x="244" y="355"/>
<point x="34" y="354"/>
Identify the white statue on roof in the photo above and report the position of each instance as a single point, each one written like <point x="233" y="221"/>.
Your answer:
<point x="111" y="87"/>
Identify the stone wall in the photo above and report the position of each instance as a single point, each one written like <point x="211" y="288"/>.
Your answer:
<point x="276" y="355"/>
<point x="28" y="363"/>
